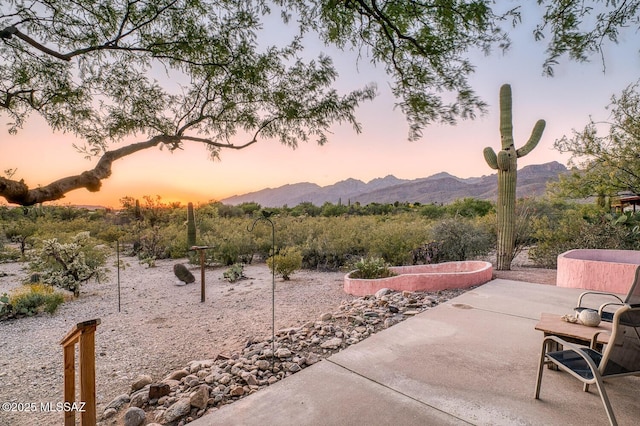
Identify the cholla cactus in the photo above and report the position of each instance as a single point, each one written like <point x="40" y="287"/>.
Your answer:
<point x="69" y="265"/>
<point x="506" y="164"/>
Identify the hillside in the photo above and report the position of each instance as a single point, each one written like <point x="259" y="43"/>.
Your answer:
<point x="439" y="188"/>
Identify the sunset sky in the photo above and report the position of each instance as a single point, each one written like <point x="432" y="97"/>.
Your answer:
<point x="565" y="101"/>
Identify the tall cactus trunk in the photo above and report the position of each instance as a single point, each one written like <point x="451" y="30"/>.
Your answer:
<point x="191" y="226"/>
<point x="506" y="162"/>
<point x="506" y="218"/>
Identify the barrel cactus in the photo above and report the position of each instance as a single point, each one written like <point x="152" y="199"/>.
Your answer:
<point x="183" y="273"/>
<point x="506" y="162"/>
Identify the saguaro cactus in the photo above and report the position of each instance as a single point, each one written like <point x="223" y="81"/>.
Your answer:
<point x="191" y="226"/>
<point x="506" y="162"/>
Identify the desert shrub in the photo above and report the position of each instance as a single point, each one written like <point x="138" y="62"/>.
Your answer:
<point x="68" y="265"/>
<point x="31" y="299"/>
<point x="469" y="207"/>
<point x="6" y="309"/>
<point x="234" y="244"/>
<point x="432" y="211"/>
<point x="9" y="254"/>
<point x="461" y="239"/>
<point x="20" y="232"/>
<point x="394" y="238"/>
<point x="286" y="262"/>
<point x="371" y="268"/>
<point x="234" y="273"/>
<point x="584" y="228"/>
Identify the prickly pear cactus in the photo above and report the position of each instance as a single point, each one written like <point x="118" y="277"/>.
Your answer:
<point x="506" y="162"/>
<point x="183" y="273"/>
<point x="191" y="226"/>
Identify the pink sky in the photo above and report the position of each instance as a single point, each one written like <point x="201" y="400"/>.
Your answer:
<point x="564" y="101"/>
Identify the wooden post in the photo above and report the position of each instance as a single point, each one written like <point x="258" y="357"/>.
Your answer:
<point x="201" y="250"/>
<point x="202" y="286"/>
<point x="84" y="334"/>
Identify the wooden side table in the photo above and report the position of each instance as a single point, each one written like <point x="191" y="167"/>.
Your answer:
<point x="553" y="325"/>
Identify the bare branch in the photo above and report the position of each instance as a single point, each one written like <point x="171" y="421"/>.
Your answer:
<point x="19" y="192"/>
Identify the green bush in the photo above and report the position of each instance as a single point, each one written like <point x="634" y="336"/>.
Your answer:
<point x="6" y="309"/>
<point x="9" y="254"/>
<point x="371" y="268"/>
<point x="582" y="227"/>
<point x="235" y="273"/>
<point x="286" y="262"/>
<point x="461" y="239"/>
<point x="29" y="300"/>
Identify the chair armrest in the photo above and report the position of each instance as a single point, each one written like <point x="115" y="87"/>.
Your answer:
<point x="604" y="305"/>
<point x="594" y="339"/>
<point x="598" y="293"/>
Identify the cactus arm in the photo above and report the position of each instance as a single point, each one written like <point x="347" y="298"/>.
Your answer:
<point x="536" y="134"/>
<point x="490" y="158"/>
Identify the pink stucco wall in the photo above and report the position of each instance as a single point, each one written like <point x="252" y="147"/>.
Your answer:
<point x="610" y="271"/>
<point x="439" y="276"/>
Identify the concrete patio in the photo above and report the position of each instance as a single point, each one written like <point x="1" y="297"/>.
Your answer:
<point x="471" y="360"/>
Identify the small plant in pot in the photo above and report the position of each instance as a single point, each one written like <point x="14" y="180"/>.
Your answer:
<point x="371" y="268"/>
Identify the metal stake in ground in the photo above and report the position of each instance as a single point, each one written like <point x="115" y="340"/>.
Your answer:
<point x="265" y="217"/>
<point x="201" y="250"/>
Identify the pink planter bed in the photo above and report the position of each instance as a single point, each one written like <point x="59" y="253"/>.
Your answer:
<point x="439" y="276"/>
<point x="610" y="271"/>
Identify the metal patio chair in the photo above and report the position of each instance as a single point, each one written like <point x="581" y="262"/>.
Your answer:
<point x="621" y="356"/>
<point x="605" y="310"/>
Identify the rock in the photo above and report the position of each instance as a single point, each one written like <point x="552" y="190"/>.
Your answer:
<point x="181" y="408"/>
<point x="200" y="397"/>
<point x="333" y="343"/>
<point x="118" y="402"/>
<point x="326" y="316"/>
<point x="108" y="413"/>
<point x="158" y="390"/>
<point x="134" y="416"/>
<point x="249" y="379"/>
<point x="294" y="368"/>
<point x="140" y="398"/>
<point x="237" y="391"/>
<point x="382" y="292"/>
<point x="195" y="366"/>
<point x="312" y="358"/>
<point x="177" y="375"/>
<point x="283" y="353"/>
<point x="183" y="273"/>
<point x="191" y="380"/>
<point x="262" y="364"/>
<point x="140" y="382"/>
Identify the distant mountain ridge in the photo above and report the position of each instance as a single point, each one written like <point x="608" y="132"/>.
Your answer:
<point x="439" y="188"/>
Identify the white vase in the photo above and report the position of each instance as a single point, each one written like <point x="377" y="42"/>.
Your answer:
<point x="589" y="317"/>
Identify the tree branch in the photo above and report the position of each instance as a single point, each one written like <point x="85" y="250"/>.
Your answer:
<point x="19" y="192"/>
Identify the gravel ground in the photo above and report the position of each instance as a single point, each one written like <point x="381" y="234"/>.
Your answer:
<point x="161" y="327"/>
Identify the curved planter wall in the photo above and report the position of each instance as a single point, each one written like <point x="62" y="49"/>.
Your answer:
<point x="439" y="276"/>
<point x="611" y="271"/>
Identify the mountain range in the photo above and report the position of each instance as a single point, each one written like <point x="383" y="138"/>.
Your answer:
<point x="440" y="188"/>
